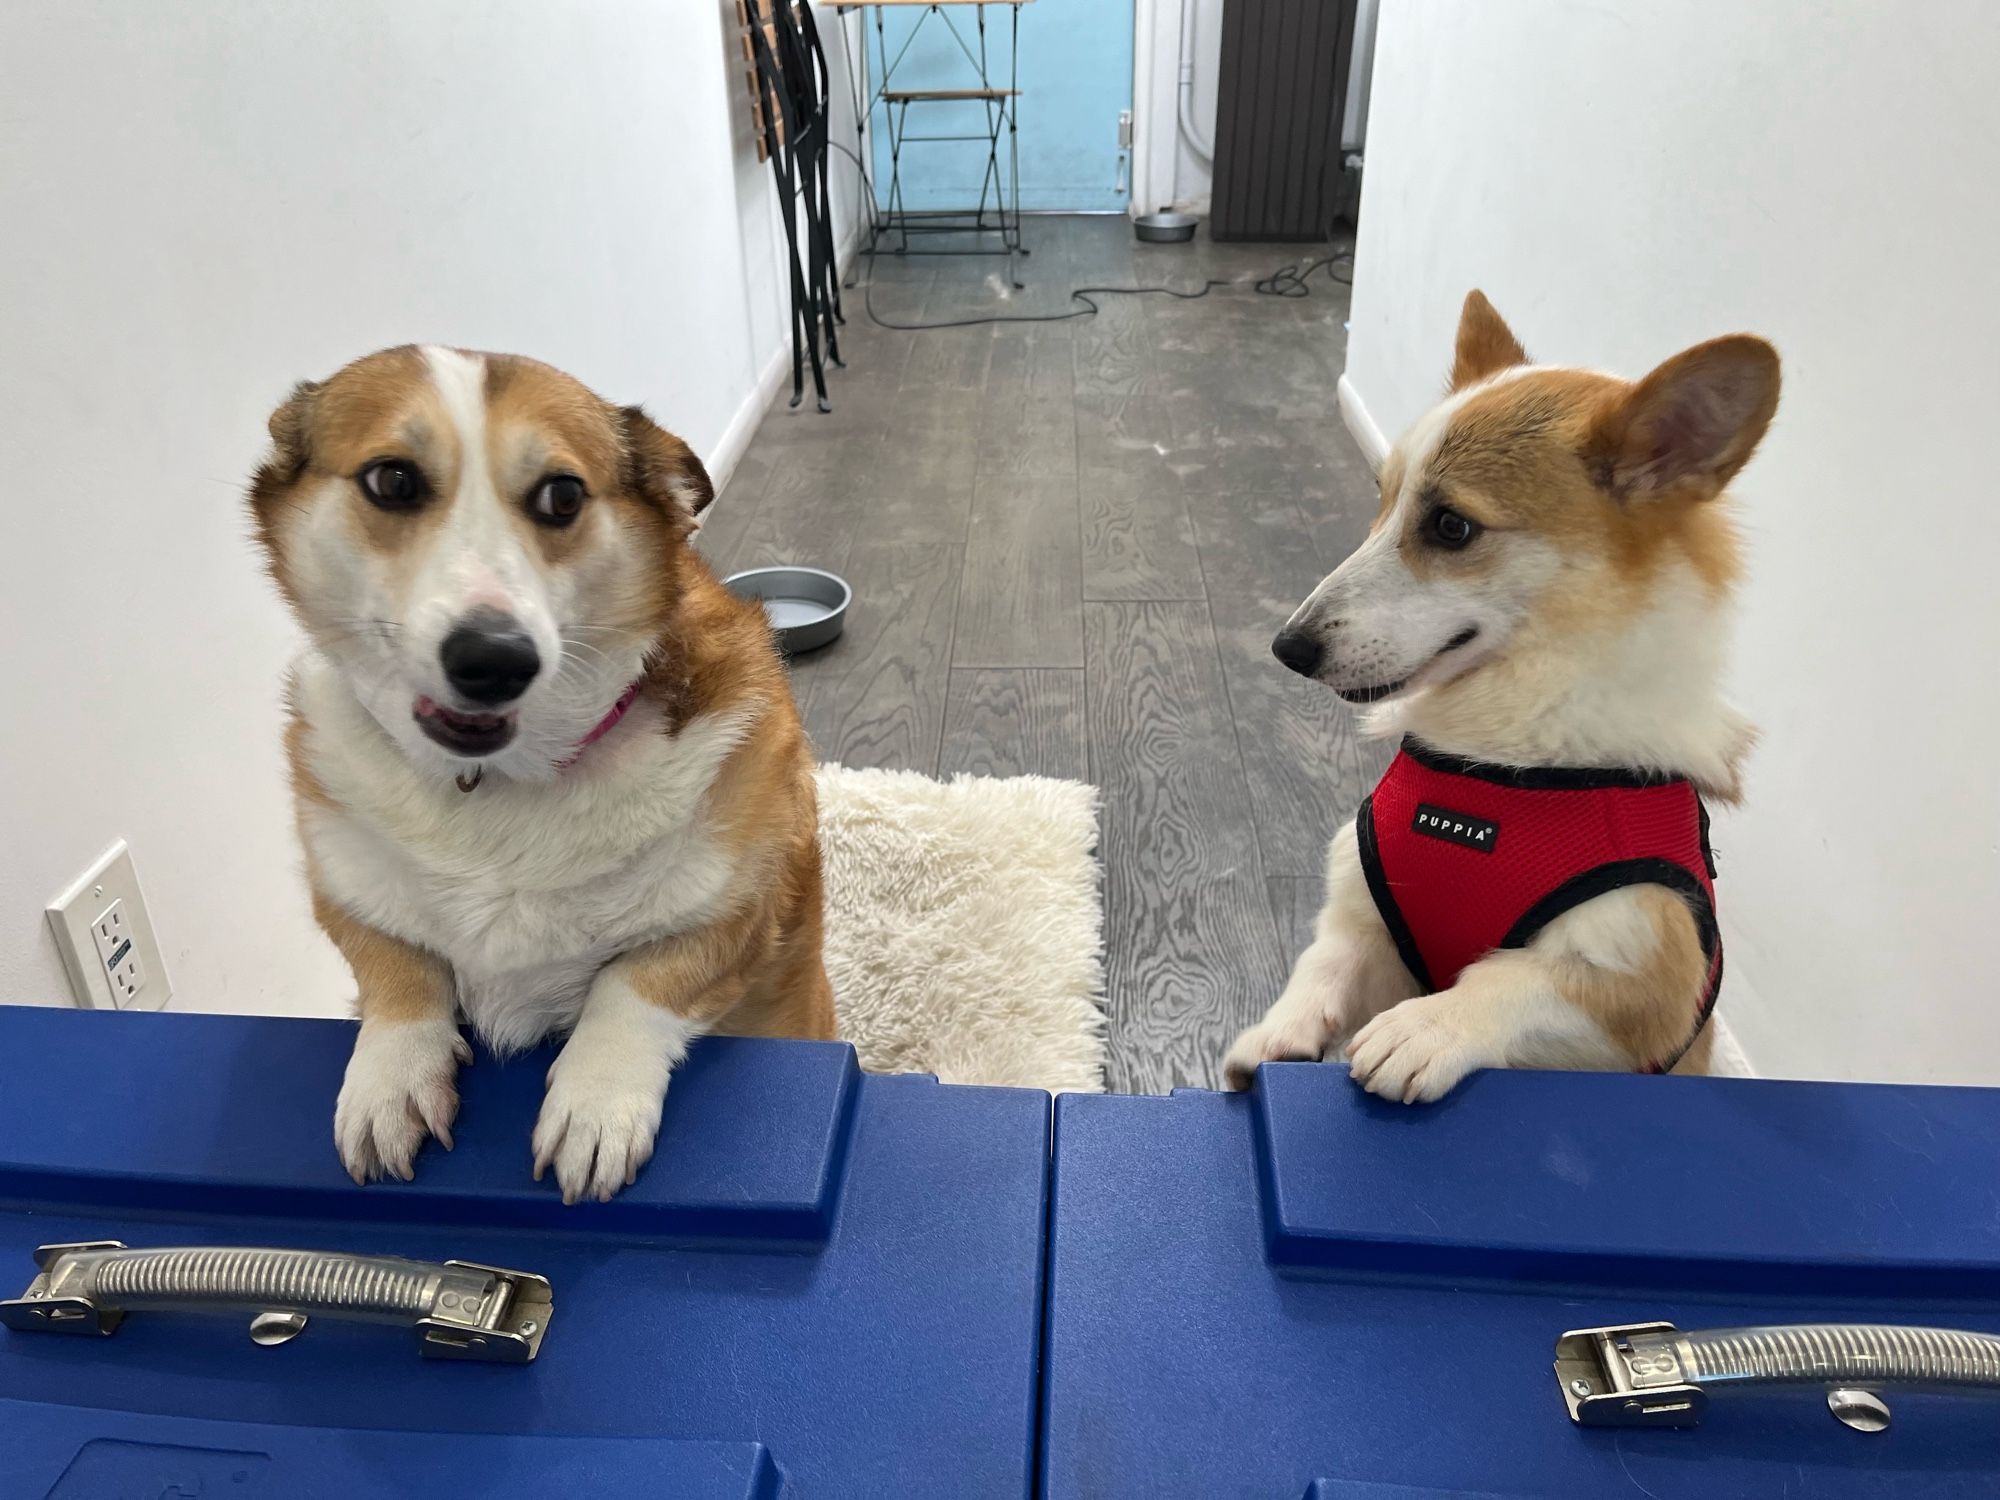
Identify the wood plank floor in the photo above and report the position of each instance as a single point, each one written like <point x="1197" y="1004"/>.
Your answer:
<point x="1070" y="544"/>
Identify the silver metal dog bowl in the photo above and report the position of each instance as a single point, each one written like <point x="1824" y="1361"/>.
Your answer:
<point x="1165" y="229"/>
<point x="807" y="607"/>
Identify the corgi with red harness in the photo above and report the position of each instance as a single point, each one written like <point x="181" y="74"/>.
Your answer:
<point x="1540" y="613"/>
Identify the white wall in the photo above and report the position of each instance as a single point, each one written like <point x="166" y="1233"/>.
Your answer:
<point x="204" y="202"/>
<point x="1626" y="179"/>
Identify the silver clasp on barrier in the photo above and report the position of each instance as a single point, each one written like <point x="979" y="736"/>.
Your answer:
<point x="1654" y="1375"/>
<point x="460" y="1310"/>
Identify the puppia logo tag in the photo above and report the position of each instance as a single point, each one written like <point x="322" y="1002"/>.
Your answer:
<point x="1455" y="828"/>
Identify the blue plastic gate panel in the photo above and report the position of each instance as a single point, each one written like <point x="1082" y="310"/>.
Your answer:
<point x="832" y="1284"/>
<point x="825" y="1284"/>
<point x="1305" y="1291"/>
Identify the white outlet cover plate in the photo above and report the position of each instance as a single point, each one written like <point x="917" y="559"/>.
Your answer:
<point x="110" y="878"/>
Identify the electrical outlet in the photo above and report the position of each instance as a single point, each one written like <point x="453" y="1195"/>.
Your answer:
<point x="106" y="938"/>
<point x="113" y="936"/>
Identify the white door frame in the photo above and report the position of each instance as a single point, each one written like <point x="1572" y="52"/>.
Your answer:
<point x="1156" y="47"/>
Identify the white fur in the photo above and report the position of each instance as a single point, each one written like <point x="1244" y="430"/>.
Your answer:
<point x="1502" y="1013"/>
<point x="479" y="556"/>
<point x="1349" y="973"/>
<point x="1647" y="696"/>
<point x="400" y="1084"/>
<point x="526" y="889"/>
<point x="606" y="1088"/>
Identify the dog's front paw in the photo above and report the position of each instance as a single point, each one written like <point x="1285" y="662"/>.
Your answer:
<point x="401" y="1085"/>
<point x="1416" y="1052"/>
<point x="1287" y="1034"/>
<point x="598" y="1122"/>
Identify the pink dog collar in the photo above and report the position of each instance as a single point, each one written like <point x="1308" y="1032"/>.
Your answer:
<point x="604" y="726"/>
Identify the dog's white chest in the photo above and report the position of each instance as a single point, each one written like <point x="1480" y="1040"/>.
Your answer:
<point x="527" y="890"/>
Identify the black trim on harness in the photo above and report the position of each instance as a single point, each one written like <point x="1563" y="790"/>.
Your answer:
<point x="1537" y="778"/>
<point x="1604" y="879"/>
<point x="1385" y="903"/>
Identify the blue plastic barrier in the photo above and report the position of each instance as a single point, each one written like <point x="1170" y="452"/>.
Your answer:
<point x="831" y="1284"/>
<point x="1305" y="1291"/>
<point x="826" y="1283"/>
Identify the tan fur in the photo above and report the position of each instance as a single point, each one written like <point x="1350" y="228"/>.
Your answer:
<point x="770" y="979"/>
<point x="1516" y="459"/>
<point x="1485" y="344"/>
<point x="1647" y="1014"/>
<point x="395" y="982"/>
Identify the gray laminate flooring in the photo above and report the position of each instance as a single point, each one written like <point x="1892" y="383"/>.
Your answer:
<point x="1070" y="545"/>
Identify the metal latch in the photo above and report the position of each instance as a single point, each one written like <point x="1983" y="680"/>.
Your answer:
<point x="1608" y="1380"/>
<point x="1654" y="1375"/>
<point x="459" y="1309"/>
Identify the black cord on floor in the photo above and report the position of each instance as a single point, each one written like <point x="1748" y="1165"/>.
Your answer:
<point x="1290" y="281"/>
<point x="1286" y="281"/>
<point x="1081" y="294"/>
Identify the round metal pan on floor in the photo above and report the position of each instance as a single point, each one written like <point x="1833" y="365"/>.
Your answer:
<point x="807" y="607"/>
<point x="1165" y="228"/>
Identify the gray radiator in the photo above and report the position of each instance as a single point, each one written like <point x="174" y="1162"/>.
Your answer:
<point x="1280" y="101"/>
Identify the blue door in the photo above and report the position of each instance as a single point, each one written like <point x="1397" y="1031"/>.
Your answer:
<point x="1074" y="75"/>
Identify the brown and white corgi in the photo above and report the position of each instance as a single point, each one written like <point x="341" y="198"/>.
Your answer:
<point x="548" y="772"/>
<point x="1541" y="609"/>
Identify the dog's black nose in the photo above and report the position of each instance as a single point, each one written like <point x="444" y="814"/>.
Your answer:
<point x="1301" y="652"/>
<point x="489" y="658"/>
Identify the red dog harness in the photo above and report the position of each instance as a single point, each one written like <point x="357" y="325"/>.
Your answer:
<point x="1463" y="858"/>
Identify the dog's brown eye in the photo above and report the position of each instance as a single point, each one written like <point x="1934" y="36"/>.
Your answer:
<point x="393" y="484"/>
<point x="1449" y="529"/>
<point x="556" y="500"/>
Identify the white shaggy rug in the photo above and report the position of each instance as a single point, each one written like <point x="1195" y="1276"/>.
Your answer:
<point x="964" y="934"/>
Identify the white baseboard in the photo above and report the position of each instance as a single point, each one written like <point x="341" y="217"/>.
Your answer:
<point x="1362" y="426"/>
<point x="735" y="440"/>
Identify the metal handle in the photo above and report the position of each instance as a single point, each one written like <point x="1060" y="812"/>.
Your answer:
<point x="460" y="1310"/>
<point x="1653" y="1375"/>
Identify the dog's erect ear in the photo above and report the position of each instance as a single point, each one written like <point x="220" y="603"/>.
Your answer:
<point x="1486" y="345"/>
<point x="664" y="469"/>
<point x="1692" y="423"/>
<point x="291" y="432"/>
